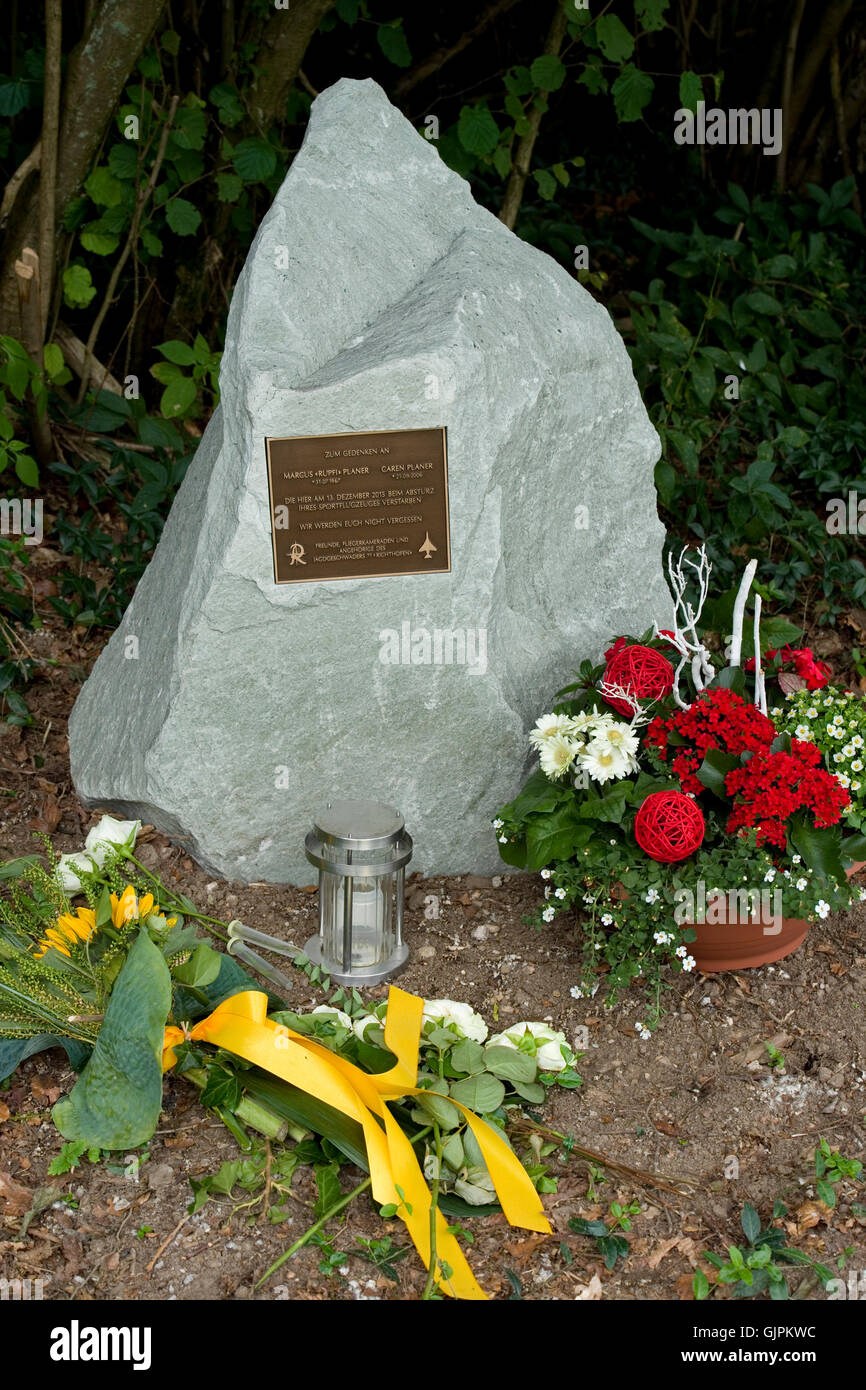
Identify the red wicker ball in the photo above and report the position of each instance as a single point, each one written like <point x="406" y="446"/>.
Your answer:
<point x="669" y="826"/>
<point x="642" y="671"/>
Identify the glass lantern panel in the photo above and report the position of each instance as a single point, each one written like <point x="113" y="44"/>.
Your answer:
<point x="372" y="919"/>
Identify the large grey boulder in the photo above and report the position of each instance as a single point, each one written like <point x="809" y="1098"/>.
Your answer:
<point x="242" y="706"/>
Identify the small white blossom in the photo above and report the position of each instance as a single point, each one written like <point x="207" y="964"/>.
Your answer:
<point x="606" y="919"/>
<point x="560" y="893"/>
<point x="651" y="896"/>
<point x="548" y="914"/>
<point x="498" y="824"/>
<point x="801" y="884"/>
<point x="769" y="875"/>
<point x="688" y="962"/>
<point x="822" y="908"/>
<point x="545" y="873"/>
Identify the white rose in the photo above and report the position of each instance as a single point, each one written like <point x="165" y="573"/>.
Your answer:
<point x="361" y="1024"/>
<point x="336" y="1014"/>
<point x="468" y="1023"/>
<point x="547" y="1043"/>
<point x="111" y="833"/>
<point x="68" y="868"/>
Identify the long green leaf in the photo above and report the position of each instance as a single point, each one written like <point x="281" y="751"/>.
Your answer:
<point x="116" y="1102"/>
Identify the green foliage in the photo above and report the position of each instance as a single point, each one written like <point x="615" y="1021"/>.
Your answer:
<point x="832" y="1168"/>
<point x="116" y="1103"/>
<point x="747" y="346"/>
<point x="758" y="1266"/>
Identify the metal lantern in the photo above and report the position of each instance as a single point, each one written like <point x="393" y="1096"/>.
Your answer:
<point x="361" y="850"/>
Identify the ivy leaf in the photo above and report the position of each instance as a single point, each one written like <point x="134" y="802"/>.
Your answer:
<point x="254" y="159"/>
<point x="477" y="131"/>
<point x="393" y="44"/>
<point x="631" y="93"/>
<point x="691" y="91"/>
<point x="548" y="72"/>
<point x="182" y="217"/>
<point x="614" y="40"/>
<point x="78" y="288"/>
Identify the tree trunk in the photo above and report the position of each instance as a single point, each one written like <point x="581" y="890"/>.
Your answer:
<point x="284" y="42"/>
<point x="97" y="70"/>
<point x="523" y="154"/>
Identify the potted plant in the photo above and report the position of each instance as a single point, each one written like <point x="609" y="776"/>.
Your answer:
<point x="690" y="828"/>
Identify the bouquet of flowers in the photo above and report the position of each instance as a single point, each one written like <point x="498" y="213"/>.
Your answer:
<point x="125" y="983"/>
<point x="640" y="821"/>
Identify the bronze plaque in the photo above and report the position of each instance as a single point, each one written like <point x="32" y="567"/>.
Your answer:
<point x="345" y="506"/>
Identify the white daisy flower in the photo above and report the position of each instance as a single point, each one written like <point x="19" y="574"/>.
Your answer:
<point x="796" y="859"/>
<point x="545" y="873"/>
<point x="811" y="712"/>
<point x="556" y="754"/>
<point x="803" y="731"/>
<point x="688" y="962"/>
<point x="576" y="992"/>
<point x="605" y="763"/>
<point x="801" y="884"/>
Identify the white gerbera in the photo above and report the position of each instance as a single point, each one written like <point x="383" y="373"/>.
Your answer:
<point x="549" y="726"/>
<point x="556" y="754"/>
<point x="620" y="736"/>
<point x="605" y="763"/>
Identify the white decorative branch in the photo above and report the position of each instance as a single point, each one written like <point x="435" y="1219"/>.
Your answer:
<point x="685" y="638"/>
<point x="739" y="610"/>
<point x="760" y="684"/>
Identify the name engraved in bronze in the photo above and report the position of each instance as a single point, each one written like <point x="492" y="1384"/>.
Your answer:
<point x="349" y="506"/>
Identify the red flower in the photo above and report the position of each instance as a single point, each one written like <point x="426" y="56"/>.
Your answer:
<point x="815" y="673"/>
<point x="719" y="719"/>
<point x="772" y="786"/>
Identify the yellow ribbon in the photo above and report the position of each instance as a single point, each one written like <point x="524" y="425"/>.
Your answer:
<point x="241" y="1025"/>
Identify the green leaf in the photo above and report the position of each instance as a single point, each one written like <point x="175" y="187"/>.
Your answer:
<point x="201" y="969"/>
<point x="531" y="1091"/>
<point x="14" y="94"/>
<point x="444" y="1113"/>
<point x="751" y="1223"/>
<point x="614" y="40"/>
<point x="509" y="1064"/>
<point x="78" y="288"/>
<point x="483" y="1093"/>
<point x="393" y="44"/>
<point x="182" y="217"/>
<point x="103" y="188"/>
<point x="13" y="1051"/>
<point x="546" y="183"/>
<point x="123" y="160"/>
<point x="631" y="93"/>
<point x="328" y="1186"/>
<point x="27" y="471"/>
<point x="477" y="131"/>
<point x="52" y="359"/>
<point x="731" y="678"/>
<point x="821" y="849"/>
<point x="548" y="72"/>
<point x="227" y="101"/>
<point x="651" y="13"/>
<point x="170" y="41"/>
<point x="178" y="396"/>
<point x="229" y="187"/>
<point x="98" y="242"/>
<point x="254" y="159"/>
<point x="763" y="303"/>
<point x="553" y="837"/>
<point x="178" y="352"/>
<point x="538" y="795"/>
<point x="703" y="379"/>
<point x="700" y="1286"/>
<point x="222" y="1090"/>
<point x="467" y="1057"/>
<point x="190" y="126"/>
<point x="691" y="91"/>
<point x="714" y="769"/>
<point x="115" y="1104"/>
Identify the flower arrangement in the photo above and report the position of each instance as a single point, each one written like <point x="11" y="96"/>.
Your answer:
<point x="126" y="985"/>
<point x="703" y="798"/>
<point x="834" y="723"/>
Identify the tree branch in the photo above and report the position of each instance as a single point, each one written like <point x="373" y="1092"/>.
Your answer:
<point x="446" y="52"/>
<point x="285" y="40"/>
<point x="50" y="138"/>
<point x="787" y="84"/>
<point x="523" y="156"/>
<point x="140" y="204"/>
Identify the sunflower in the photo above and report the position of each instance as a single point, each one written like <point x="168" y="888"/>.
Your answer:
<point x="69" y="929"/>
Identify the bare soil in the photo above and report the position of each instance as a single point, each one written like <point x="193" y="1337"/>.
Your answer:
<point x="698" y="1103"/>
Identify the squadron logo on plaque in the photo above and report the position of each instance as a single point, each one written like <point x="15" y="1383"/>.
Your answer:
<point x="348" y="506"/>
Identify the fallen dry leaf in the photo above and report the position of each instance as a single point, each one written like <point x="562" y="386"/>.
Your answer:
<point x="522" y="1250"/>
<point x="48" y="1094"/>
<point x="808" y="1215"/>
<point x="684" y="1244"/>
<point x="4" y="1112"/>
<point x="594" y="1290"/>
<point x="16" y="1199"/>
<point x="664" y="1127"/>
